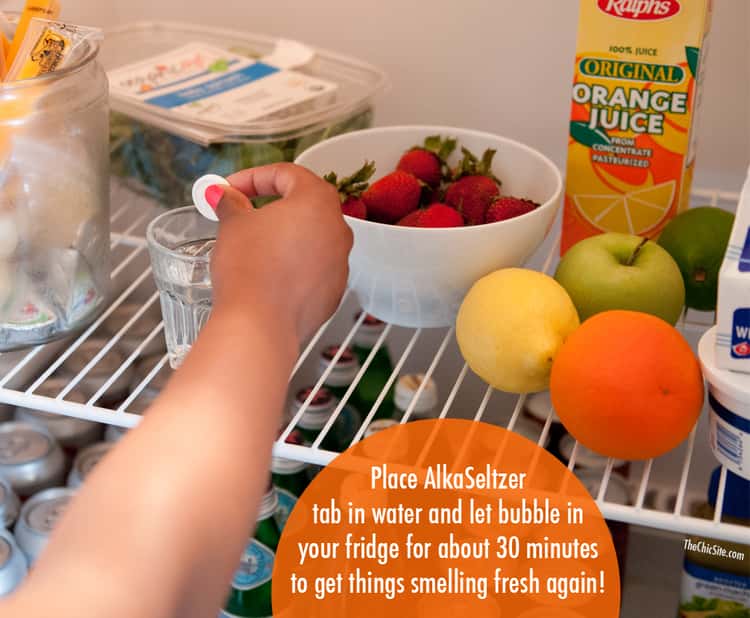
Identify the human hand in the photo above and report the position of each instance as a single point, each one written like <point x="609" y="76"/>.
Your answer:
<point x="288" y="260"/>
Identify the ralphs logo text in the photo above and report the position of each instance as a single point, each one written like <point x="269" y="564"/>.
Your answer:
<point x="640" y="9"/>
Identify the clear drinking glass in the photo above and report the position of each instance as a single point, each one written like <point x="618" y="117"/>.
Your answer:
<point x="180" y="243"/>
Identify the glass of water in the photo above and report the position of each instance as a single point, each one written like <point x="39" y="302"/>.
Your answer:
<point x="180" y="243"/>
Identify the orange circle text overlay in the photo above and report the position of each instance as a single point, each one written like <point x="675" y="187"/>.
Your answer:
<point x="446" y="518"/>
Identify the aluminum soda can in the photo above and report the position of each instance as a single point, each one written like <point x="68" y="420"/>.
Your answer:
<point x="71" y="433"/>
<point x="10" y="505"/>
<point x="13" y="567"/>
<point x="39" y="516"/>
<point x="30" y="458"/>
<point x="86" y="461"/>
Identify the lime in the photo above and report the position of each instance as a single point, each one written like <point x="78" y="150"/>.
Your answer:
<point x="697" y="240"/>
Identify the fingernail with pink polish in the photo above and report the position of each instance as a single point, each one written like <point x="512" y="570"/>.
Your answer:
<point x="214" y="193"/>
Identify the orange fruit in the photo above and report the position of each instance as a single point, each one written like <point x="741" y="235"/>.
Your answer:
<point x="627" y="385"/>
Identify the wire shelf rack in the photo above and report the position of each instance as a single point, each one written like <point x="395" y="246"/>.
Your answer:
<point x="665" y="506"/>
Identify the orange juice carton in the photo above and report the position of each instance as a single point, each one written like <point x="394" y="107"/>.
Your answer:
<point x="733" y="309"/>
<point x="635" y="97"/>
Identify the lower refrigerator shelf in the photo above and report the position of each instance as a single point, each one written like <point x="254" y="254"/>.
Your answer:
<point x="656" y="503"/>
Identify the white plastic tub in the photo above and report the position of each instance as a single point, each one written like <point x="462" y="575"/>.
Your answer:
<point x="729" y="403"/>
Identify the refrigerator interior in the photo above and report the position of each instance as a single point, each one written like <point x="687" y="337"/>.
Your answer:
<point x="524" y="96"/>
<point x="665" y="490"/>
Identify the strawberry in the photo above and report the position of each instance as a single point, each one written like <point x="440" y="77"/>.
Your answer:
<point x="392" y="197"/>
<point x="474" y="188"/>
<point x="428" y="162"/>
<point x="435" y="215"/>
<point x="509" y="207"/>
<point x="351" y="188"/>
<point x="354" y="207"/>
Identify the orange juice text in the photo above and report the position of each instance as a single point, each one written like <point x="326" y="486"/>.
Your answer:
<point x="636" y="92"/>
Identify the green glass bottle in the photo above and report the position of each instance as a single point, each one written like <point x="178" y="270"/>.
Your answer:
<point x="378" y="373"/>
<point x="315" y="416"/>
<point x="343" y="373"/>
<point x="250" y="594"/>
<point x="288" y="474"/>
<point x="406" y="390"/>
<point x="290" y="478"/>
<point x="338" y="382"/>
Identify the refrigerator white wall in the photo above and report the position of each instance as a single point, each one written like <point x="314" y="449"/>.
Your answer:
<point x="498" y="65"/>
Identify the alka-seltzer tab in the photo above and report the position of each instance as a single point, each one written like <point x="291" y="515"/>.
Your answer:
<point x="199" y="194"/>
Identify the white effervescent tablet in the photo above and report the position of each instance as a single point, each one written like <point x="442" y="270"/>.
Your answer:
<point x="199" y="194"/>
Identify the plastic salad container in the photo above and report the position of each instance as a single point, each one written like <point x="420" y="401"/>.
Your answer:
<point x="160" y="153"/>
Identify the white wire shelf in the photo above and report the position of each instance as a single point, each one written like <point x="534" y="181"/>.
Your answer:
<point x="22" y="374"/>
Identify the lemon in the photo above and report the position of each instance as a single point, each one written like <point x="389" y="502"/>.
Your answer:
<point x="635" y="212"/>
<point x="510" y="327"/>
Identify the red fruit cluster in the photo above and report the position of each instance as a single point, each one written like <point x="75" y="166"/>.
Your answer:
<point x="436" y="215"/>
<point x="505" y="208"/>
<point x="392" y="197"/>
<point x="424" y="191"/>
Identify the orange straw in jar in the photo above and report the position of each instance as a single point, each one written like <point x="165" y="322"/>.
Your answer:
<point x="48" y="9"/>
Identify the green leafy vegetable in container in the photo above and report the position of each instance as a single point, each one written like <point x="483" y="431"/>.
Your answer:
<point x="164" y="166"/>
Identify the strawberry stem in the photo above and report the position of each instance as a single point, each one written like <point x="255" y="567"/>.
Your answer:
<point x="354" y="185"/>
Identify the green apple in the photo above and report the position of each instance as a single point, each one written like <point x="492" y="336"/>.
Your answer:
<point x="621" y="271"/>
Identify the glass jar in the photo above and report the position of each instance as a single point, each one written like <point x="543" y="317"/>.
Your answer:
<point x="54" y="202"/>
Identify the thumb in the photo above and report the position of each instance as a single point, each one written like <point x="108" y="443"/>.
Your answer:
<point x="227" y="201"/>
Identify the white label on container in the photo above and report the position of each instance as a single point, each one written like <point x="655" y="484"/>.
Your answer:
<point x="203" y="83"/>
<point x="730" y="437"/>
<point x="256" y="567"/>
<point x="707" y="590"/>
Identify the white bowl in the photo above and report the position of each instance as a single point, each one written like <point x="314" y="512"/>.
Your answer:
<point x="418" y="277"/>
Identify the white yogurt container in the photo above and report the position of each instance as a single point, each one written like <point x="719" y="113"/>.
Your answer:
<point x="729" y="403"/>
